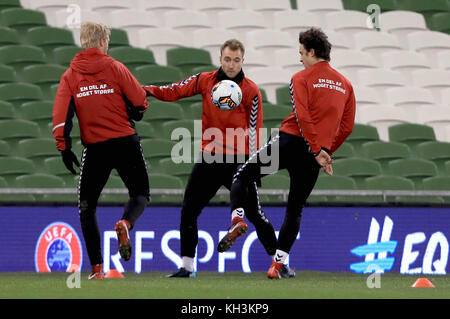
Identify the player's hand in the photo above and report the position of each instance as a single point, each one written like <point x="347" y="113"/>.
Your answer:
<point x="69" y="158"/>
<point x="325" y="161"/>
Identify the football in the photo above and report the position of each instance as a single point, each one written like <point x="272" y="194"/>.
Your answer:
<point x="226" y="95"/>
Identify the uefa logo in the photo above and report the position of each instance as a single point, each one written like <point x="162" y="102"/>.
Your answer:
<point x="58" y="249"/>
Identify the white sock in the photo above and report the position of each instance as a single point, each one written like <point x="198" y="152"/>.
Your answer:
<point x="280" y="256"/>
<point x="188" y="263"/>
<point x="238" y="212"/>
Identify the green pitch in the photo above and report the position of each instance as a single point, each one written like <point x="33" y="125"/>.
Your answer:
<point x="213" y="285"/>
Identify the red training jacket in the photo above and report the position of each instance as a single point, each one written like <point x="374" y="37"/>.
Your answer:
<point x="94" y="88"/>
<point x="247" y="118"/>
<point x="324" y="107"/>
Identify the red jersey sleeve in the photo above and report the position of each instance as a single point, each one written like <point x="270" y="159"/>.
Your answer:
<point x="63" y="112"/>
<point x="256" y="123"/>
<point x="347" y="122"/>
<point x="131" y="87"/>
<point x="175" y="91"/>
<point x="299" y="98"/>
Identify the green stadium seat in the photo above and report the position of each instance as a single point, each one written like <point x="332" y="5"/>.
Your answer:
<point x="357" y="168"/>
<point x="41" y="180"/>
<point x="155" y="150"/>
<point x="19" y="93"/>
<point x="118" y="38"/>
<point x="49" y="38"/>
<point x="427" y="8"/>
<point x="165" y="181"/>
<point x="158" y="74"/>
<point x="335" y="182"/>
<point x="114" y="182"/>
<point x="344" y="151"/>
<point x="180" y="170"/>
<point x="144" y="129"/>
<point x="437" y="183"/>
<point x="37" y="149"/>
<point x="12" y="166"/>
<point x="3" y="183"/>
<point x="185" y="102"/>
<point x="55" y="166"/>
<point x="5" y="149"/>
<point x="384" y="152"/>
<point x="7" y="74"/>
<point x="44" y="75"/>
<point x="188" y="58"/>
<point x="7" y="111"/>
<point x="414" y="169"/>
<point x="8" y="4"/>
<point x="194" y="111"/>
<point x="441" y="22"/>
<point x="9" y="36"/>
<point x="170" y="126"/>
<point x="22" y="19"/>
<point x="273" y="115"/>
<point x="361" y="134"/>
<point x="438" y="152"/>
<point x="388" y="182"/>
<point x="14" y="130"/>
<point x="39" y="112"/>
<point x="283" y="95"/>
<point x="19" y="56"/>
<point x="161" y="112"/>
<point x="361" y="5"/>
<point x="275" y="181"/>
<point x="132" y="57"/>
<point x="447" y="167"/>
<point x="263" y="96"/>
<point x="411" y="134"/>
<point x="204" y="68"/>
<point x="64" y="55"/>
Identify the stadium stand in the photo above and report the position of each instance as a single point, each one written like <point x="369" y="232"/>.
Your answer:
<point x="401" y="77"/>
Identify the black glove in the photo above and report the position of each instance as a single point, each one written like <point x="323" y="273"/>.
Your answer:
<point x="69" y="158"/>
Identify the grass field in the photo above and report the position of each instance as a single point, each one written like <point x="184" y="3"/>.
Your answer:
<point x="213" y="285"/>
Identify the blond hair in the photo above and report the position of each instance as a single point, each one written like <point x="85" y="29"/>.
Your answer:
<point x="234" y="45"/>
<point x="91" y="33"/>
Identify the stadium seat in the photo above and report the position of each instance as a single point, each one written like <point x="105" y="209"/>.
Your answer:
<point x="361" y="5"/>
<point x="444" y="60"/>
<point x="411" y="134"/>
<point x="344" y="151"/>
<point x="180" y="170"/>
<point x="162" y="112"/>
<point x="161" y="6"/>
<point x="55" y="166"/>
<point x="49" y="38"/>
<point x="7" y="74"/>
<point x="335" y="182"/>
<point x="155" y="150"/>
<point x="160" y="40"/>
<point x="213" y="7"/>
<point x="347" y="22"/>
<point x="19" y="93"/>
<point x="255" y="60"/>
<point x="283" y="96"/>
<point x="44" y="75"/>
<point x="169" y="127"/>
<point x="22" y="19"/>
<point x="274" y="114"/>
<point x="445" y="97"/>
<point x="357" y="168"/>
<point x="19" y="56"/>
<point x="194" y="111"/>
<point x="275" y="181"/>
<point x="39" y="180"/>
<point x="11" y="167"/>
<point x="295" y="21"/>
<point x="7" y="111"/>
<point x="270" y="79"/>
<point x="381" y="78"/>
<point x="351" y="61"/>
<point x="384" y="152"/>
<point x="132" y="57"/>
<point x="440" y="22"/>
<point x="39" y="112"/>
<point x="108" y="6"/>
<point x="376" y="42"/>
<point x="361" y="134"/>
<point x="269" y="41"/>
<point x="13" y="130"/>
<point x="144" y="129"/>
<point x="187" y="21"/>
<point x="158" y="74"/>
<point x="409" y="97"/>
<point x="438" y="152"/>
<point x="388" y="182"/>
<point x="289" y="60"/>
<point x="8" y="4"/>
<point x="9" y="36"/>
<point x="429" y="42"/>
<point x="114" y="182"/>
<point x="118" y="38"/>
<point x="401" y="23"/>
<point x="187" y="58"/>
<point x="427" y="8"/>
<point x="436" y="116"/>
<point x="413" y="168"/>
<point x="64" y="55"/>
<point x="241" y="21"/>
<point x="437" y="183"/>
<point x="37" y="149"/>
<point x="434" y="80"/>
<point x="165" y="181"/>
<point x="211" y="40"/>
<point x="5" y="149"/>
<point x="366" y="96"/>
<point x="405" y="61"/>
<point x="204" y="68"/>
<point x="320" y="6"/>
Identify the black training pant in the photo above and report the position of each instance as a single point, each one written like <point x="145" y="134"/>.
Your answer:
<point x="204" y="182"/>
<point x="98" y="160"/>
<point x="283" y="151"/>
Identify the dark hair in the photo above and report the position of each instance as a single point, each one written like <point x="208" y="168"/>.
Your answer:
<point x="315" y="38"/>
